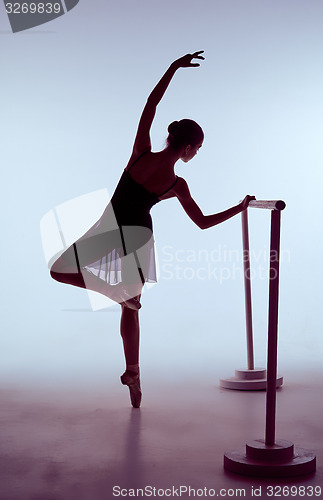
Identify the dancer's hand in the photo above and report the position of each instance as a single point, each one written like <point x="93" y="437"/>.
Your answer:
<point x="246" y="200"/>
<point x="186" y="61"/>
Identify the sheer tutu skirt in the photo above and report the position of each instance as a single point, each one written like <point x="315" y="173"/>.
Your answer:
<point x="132" y="261"/>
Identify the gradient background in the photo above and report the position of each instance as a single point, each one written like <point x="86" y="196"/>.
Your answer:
<point x="72" y="94"/>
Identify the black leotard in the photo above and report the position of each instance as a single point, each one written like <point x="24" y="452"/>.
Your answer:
<point x="124" y="235"/>
<point x="132" y="201"/>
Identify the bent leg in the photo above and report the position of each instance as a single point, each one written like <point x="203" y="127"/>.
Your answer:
<point x="67" y="270"/>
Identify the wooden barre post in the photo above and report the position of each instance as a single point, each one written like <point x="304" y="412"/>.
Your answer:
<point x="272" y="328"/>
<point x="247" y="288"/>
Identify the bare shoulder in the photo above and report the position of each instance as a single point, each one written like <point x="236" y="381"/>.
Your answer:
<point x="136" y="155"/>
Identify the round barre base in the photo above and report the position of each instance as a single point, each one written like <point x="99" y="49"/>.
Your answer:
<point x="249" y="380"/>
<point x="279" y="460"/>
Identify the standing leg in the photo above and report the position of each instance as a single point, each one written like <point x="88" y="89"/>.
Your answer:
<point x="129" y="328"/>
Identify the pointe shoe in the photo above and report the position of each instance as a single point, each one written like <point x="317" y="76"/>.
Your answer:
<point x="133" y="382"/>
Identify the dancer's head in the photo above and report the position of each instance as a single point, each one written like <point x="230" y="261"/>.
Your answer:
<point x="185" y="136"/>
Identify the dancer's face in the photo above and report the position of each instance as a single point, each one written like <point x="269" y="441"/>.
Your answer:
<point x="191" y="151"/>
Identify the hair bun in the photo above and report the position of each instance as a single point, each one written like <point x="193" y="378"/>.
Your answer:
<point x="183" y="133"/>
<point x="173" y="128"/>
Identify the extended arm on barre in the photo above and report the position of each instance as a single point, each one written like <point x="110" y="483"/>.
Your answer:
<point x="269" y="204"/>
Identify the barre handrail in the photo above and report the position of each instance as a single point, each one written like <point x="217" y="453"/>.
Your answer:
<point x="269" y="204"/>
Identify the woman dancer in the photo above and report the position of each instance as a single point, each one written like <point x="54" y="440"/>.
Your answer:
<point x="116" y="256"/>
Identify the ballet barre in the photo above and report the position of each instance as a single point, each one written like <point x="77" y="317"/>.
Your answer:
<point x="269" y="204"/>
<point x="265" y="457"/>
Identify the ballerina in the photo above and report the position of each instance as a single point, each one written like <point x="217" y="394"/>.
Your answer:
<point x="115" y="256"/>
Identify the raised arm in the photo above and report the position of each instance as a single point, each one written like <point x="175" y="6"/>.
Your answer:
<point x="194" y="212"/>
<point x="142" y="140"/>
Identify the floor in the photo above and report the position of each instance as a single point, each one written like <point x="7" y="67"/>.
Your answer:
<point x="89" y="444"/>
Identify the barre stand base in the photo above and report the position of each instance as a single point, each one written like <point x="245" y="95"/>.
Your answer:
<point x="278" y="460"/>
<point x="249" y="380"/>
